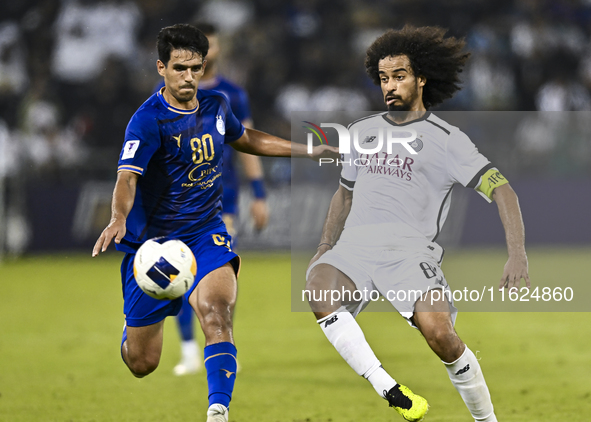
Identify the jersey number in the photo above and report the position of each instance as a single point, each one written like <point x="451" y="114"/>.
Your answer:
<point x="221" y="241"/>
<point x="202" y="149"/>
<point x="428" y="270"/>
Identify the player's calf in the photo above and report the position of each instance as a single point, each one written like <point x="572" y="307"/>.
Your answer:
<point x="443" y="341"/>
<point x="216" y="320"/>
<point x="214" y="300"/>
<point x="434" y="321"/>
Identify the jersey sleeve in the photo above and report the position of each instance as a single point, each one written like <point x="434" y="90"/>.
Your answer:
<point x="234" y="128"/>
<point x="142" y="140"/>
<point x="349" y="169"/>
<point x="464" y="162"/>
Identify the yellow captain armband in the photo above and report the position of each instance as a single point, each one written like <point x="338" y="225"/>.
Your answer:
<point x="489" y="181"/>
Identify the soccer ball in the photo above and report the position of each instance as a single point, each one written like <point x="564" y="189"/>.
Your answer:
<point x="164" y="268"/>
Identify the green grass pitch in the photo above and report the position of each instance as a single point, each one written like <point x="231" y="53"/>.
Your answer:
<point x="61" y="320"/>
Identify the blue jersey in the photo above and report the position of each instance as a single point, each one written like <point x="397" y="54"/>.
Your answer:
<point x="179" y="156"/>
<point x="239" y="103"/>
<point x="240" y="107"/>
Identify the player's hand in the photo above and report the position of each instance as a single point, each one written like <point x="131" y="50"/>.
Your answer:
<point x="515" y="270"/>
<point x="322" y="249"/>
<point x="116" y="229"/>
<point x="260" y="213"/>
<point x="324" y="151"/>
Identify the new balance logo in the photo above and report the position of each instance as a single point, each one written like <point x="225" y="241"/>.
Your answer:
<point x="463" y="370"/>
<point x="368" y="140"/>
<point x="331" y="321"/>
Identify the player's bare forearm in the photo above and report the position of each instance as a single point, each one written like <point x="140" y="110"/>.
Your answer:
<point x="123" y="198"/>
<point x="339" y="209"/>
<point x="260" y="143"/>
<point x="516" y="267"/>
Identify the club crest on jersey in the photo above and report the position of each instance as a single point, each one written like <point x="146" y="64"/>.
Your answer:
<point x="417" y="145"/>
<point x="220" y="125"/>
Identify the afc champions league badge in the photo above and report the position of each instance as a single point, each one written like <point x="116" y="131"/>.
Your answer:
<point x="220" y="125"/>
<point x="417" y="144"/>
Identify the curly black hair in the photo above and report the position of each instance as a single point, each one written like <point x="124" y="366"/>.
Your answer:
<point x="437" y="58"/>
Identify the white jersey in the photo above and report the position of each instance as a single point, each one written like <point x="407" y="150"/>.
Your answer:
<point x="398" y="194"/>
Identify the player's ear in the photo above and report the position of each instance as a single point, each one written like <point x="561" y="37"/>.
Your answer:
<point x="422" y="80"/>
<point x="161" y="67"/>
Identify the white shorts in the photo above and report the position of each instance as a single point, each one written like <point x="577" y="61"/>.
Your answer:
<point x="401" y="273"/>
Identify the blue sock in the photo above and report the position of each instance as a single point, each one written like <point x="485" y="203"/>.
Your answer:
<point x="220" y="363"/>
<point x="185" y="321"/>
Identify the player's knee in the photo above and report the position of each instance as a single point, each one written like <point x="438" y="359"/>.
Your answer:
<point x="445" y="343"/>
<point x="318" y="297"/>
<point x="440" y="338"/>
<point x="140" y="367"/>
<point x="314" y="284"/>
<point x="319" y="281"/>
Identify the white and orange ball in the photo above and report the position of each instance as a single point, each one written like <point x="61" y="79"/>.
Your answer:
<point x="164" y="268"/>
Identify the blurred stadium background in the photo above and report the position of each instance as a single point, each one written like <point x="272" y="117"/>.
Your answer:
<point x="72" y="72"/>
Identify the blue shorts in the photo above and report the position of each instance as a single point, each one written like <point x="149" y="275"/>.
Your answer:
<point x="211" y="251"/>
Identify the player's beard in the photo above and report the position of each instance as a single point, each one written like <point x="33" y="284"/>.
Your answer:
<point x="402" y="104"/>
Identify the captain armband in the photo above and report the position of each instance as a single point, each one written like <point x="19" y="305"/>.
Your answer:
<point x="489" y="181"/>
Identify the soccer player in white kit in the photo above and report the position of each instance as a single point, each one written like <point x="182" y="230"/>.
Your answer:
<point x="383" y="220"/>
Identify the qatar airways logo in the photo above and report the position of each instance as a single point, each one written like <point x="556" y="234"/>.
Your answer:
<point x="368" y="143"/>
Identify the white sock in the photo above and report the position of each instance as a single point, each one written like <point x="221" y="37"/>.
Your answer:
<point x="381" y="381"/>
<point x="346" y="336"/>
<point x="189" y="350"/>
<point x="466" y="376"/>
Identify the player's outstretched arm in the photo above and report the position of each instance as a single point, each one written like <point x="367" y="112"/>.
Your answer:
<point x="256" y="142"/>
<point x="123" y="198"/>
<point x="339" y="209"/>
<point x="510" y="213"/>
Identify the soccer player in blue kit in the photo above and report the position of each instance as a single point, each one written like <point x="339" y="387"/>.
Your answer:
<point x="191" y="360"/>
<point x="169" y="184"/>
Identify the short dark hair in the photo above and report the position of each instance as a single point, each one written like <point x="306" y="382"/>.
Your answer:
<point x="437" y="58"/>
<point x="181" y="36"/>
<point x="207" y="28"/>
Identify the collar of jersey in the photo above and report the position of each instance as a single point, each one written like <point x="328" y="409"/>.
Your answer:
<point x="423" y="117"/>
<point x="174" y="109"/>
